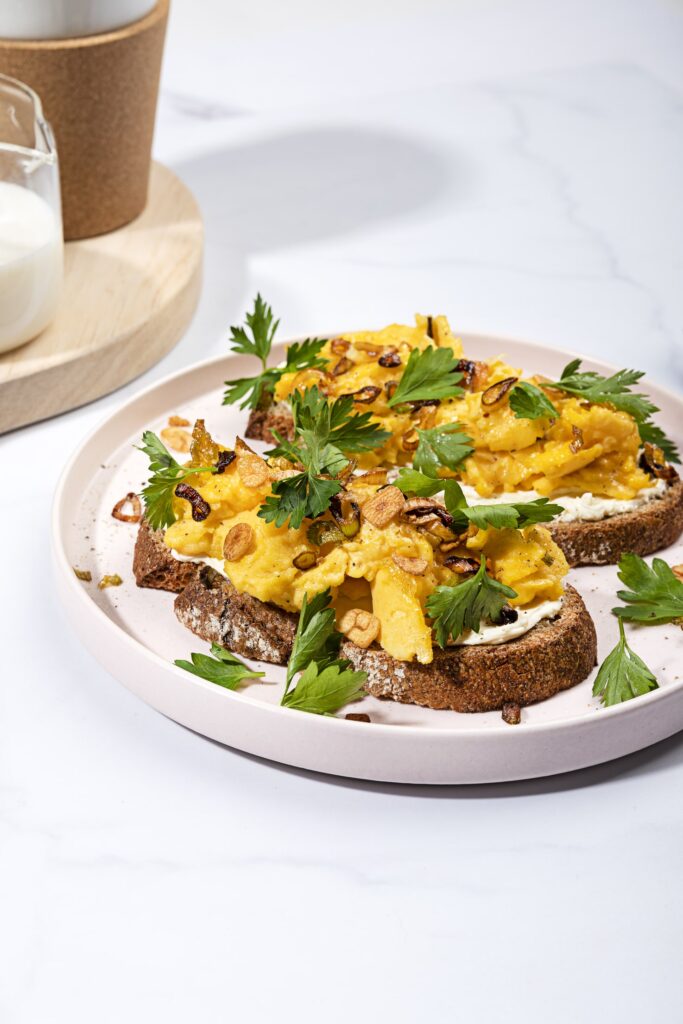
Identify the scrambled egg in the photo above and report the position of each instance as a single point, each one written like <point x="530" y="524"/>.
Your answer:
<point x="360" y="570"/>
<point x="362" y="350"/>
<point x="589" y="448"/>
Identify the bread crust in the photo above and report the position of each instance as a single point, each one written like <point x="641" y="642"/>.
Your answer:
<point x="553" y="656"/>
<point x="649" y="528"/>
<point x="154" y="566"/>
<point x="262" y="423"/>
<point x="215" y="611"/>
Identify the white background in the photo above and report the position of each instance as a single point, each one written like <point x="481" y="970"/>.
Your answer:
<point x="517" y="165"/>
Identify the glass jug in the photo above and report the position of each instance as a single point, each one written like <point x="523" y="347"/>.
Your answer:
<point x="31" y="243"/>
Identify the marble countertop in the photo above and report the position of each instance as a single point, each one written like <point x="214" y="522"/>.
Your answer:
<point x="517" y="166"/>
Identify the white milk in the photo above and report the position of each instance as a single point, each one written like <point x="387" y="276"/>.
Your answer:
<point x="30" y="264"/>
<point x="59" y="19"/>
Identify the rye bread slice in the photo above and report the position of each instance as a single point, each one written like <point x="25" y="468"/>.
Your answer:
<point x="154" y="566"/>
<point x="554" y="655"/>
<point x="551" y="657"/>
<point x="649" y="528"/>
<point x="212" y="608"/>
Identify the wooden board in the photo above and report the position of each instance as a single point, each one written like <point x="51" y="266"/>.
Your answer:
<point x="128" y="297"/>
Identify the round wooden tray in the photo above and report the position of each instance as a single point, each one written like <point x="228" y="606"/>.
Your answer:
<point x="128" y="297"/>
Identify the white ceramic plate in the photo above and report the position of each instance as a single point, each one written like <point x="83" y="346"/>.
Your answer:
<point x="134" y="634"/>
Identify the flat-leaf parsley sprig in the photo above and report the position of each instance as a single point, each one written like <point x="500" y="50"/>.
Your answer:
<point x="220" y="667"/>
<point x="252" y="392"/>
<point x="326" y="683"/>
<point x="166" y="475"/>
<point x="324" y="434"/>
<point x="654" y="595"/>
<point x="500" y="516"/>
<point x="455" y="609"/>
<point x="430" y="374"/>
<point x="622" y="675"/>
<point x="445" y="446"/>
<point x="528" y="401"/>
<point x="653" y="434"/>
<point x="615" y="390"/>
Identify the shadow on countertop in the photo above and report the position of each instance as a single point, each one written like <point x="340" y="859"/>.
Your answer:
<point x="314" y="183"/>
<point x="666" y="754"/>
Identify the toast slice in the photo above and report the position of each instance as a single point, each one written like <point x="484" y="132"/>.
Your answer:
<point x="218" y="613"/>
<point x="553" y="656"/>
<point x="650" y="528"/>
<point x="154" y="566"/>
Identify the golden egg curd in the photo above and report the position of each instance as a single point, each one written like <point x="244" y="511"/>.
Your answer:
<point x="380" y="572"/>
<point x="590" y="448"/>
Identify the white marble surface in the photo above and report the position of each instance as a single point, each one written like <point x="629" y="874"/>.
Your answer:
<point x="519" y="166"/>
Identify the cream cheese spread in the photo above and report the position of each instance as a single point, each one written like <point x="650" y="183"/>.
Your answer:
<point x="527" y="618"/>
<point x="215" y="563"/>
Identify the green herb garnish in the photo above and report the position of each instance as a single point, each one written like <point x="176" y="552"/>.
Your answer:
<point x="324" y="434"/>
<point x="530" y="403"/>
<point x="259" y="390"/>
<point x="166" y="475"/>
<point x="500" y="516"/>
<point x="441" y="446"/>
<point x="221" y="667"/>
<point x="430" y="374"/>
<point x="614" y="390"/>
<point x="411" y="481"/>
<point x="326" y="683"/>
<point x="654" y="595"/>
<point x="650" y="432"/>
<point x="323" y="692"/>
<point x="622" y="675"/>
<point x="455" y="609"/>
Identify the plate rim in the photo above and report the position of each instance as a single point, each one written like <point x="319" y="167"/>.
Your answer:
<point x="485" y="733"/>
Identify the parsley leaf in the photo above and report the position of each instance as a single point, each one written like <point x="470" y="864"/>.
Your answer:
<point x="326" y="683"/>
<point x="166" y="475"/>
<point x="324" y="433"/>
<point x="614" y="390"/>
<point x="622" y="675"/>
<point x="499" y="516"/>
<point x="222" y="668"/>
<point x="650" y="432"/>
<point x="455" y="609"/>
<point x="431" y="373"/>
<point x="296" y="498"/>
<point x="530" y="403"/>
<point x="655" y="593"/>
<point x="260" y="323"/>
<point x="411" y="481"/>
<point x="324" y="691"/>
<point x="316" y="638"/>
<point x="515" y="516"/>
<point x="441" y="446"/>
<point x="258" y="390"/>
<point x="255" y="391"/>
<point x="336" y="422"/>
